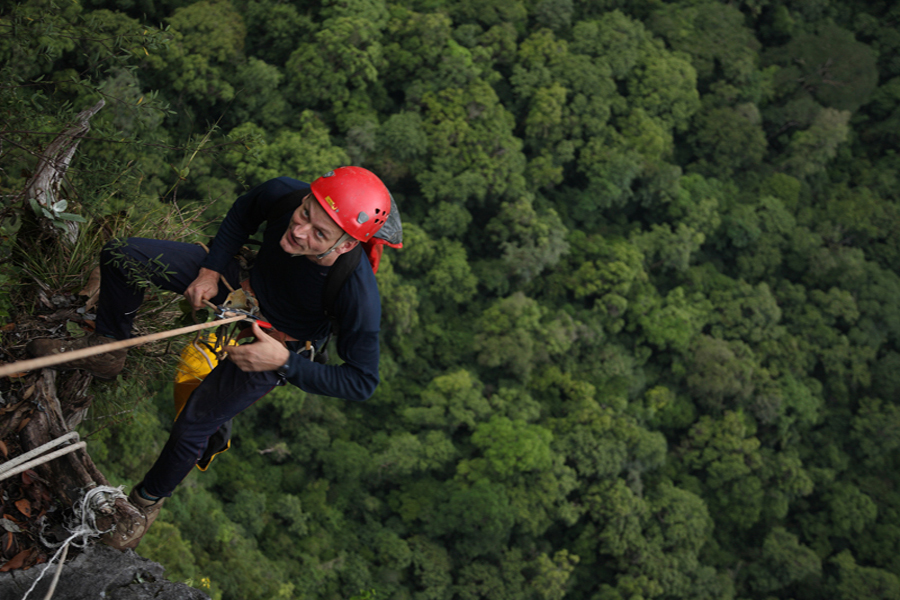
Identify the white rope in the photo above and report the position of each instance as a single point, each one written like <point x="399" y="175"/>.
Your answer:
<point x="202" y="353"/>
<point x="43" y="459"/>
<point x="62" y="559"/>
<point x="37" y="451"/>
<point x="83" y="525"/>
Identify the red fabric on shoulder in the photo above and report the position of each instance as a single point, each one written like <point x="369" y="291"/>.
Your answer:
<point x="374" y="252"/>
<point x="375" y="248"/>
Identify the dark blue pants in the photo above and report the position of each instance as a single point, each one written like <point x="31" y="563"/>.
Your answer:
<point x="126" y="268"/>
<point x="129" y="267"/>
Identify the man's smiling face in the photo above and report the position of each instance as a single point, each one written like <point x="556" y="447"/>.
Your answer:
<point x="311" y="231"/>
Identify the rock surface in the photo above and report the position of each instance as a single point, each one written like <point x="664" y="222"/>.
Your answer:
<point x="98" y="572"/>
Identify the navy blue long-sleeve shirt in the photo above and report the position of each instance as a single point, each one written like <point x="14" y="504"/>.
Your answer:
<point x="289" y="290"/>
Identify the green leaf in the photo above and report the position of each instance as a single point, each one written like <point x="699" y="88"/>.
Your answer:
<point x="74" y="329"/>
<point x="72" y="217"/>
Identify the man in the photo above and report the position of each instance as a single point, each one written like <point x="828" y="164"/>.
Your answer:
<point x="338" y="211"/>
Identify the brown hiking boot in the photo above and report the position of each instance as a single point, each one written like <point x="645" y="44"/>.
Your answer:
<point x="130" y="529"/>
<point x="101" y="366"/>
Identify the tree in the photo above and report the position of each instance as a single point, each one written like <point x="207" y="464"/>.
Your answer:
<point x="885" y="109"/>
<point x="720" y="371"/>
<point x="612" y="168"/>
<point x="810" y="150"/>
<point x="633" y="146"/>
<point x="670" y="322"/>
<point x="404" y="454"/>
<point x="619" y="513"/>
<point x="602" y="444"/>
<point x="830" y="64"/>
<point x="431" y="569"/>
<point x="515" y="333"/>
<point x="530" y="242"/>
<point x="713" y="35"/>
<point x="450" y="279"/>
<point x="616" y="37"/>
<point x="350" y="464"/>
<point x="402" y="144"/>
<point x="724" y="458"/>
<point x="677" y="527"/>
<point x="746" y="312"/>
<point x="492" y="12"/>
<point x="475" y="157"/>
<point x="511" y="447"/>
<point x="665" y="85"/>
<point x="553" y="574"/>
<point x="478" y="517"/>
<point x="679" y="520"/>
<point x="305" y="153"/>
<point x="697" y="203"/>
<point x="851" y="509"/>
<point x="482" y="580"/>
<point x="200" y="62"/>
<point x="449" y="402"/>
<point x="258" y="99"/>
<point x="855" y="216"/>
<point x="58" y="61"/>
<point x="415" y="44"/>
<point x="886" y="375"/>
<point x="507" y="334"/>
<point x="854" y="582"/>
<point x="606" y="275"/>
<point x="519" y="455"/>
<point x="766" y="230"/>
<point x="273" y="29"/>
<point x="784" y="563"/>
<point x="337" y="64"/>
<point x="669" y="246"/>
<point x="568" y="98"/>
<point x="728" y="139"/>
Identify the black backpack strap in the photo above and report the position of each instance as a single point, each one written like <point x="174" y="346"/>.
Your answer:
<point x="334" y="281"/>
<point x="337" y="275"/>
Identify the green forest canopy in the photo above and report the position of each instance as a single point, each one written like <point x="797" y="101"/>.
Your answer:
<point x="642" y="342"/>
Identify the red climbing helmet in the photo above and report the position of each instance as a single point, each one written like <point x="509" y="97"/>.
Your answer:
<point x="355" y="198"/>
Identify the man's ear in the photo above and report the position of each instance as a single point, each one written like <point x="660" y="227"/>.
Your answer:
<point x="346" y="246"/>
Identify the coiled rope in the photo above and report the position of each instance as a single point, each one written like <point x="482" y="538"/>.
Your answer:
<point x="83" y="525"/>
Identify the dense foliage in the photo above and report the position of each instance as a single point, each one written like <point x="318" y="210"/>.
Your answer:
<point x="643" y="341"/>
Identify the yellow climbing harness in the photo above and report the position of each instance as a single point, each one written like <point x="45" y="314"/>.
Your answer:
<point x="197" y="360"/>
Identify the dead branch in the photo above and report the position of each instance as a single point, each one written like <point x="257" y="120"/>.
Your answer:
<point x="43" y="187"/>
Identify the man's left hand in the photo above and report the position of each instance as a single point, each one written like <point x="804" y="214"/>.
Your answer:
<point x="264" y="354"/>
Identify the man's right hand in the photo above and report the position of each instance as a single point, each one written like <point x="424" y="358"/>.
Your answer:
<point x="204" y="288"/>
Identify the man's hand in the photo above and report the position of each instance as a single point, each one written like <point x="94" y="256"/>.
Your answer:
<point x="265" y="354"/>
<point x="204" y="288"/>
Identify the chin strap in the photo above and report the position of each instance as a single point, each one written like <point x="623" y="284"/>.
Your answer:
<point x="340" y="241"/>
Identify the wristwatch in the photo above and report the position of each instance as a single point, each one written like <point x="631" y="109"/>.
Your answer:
<point x="283" y="369"/>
